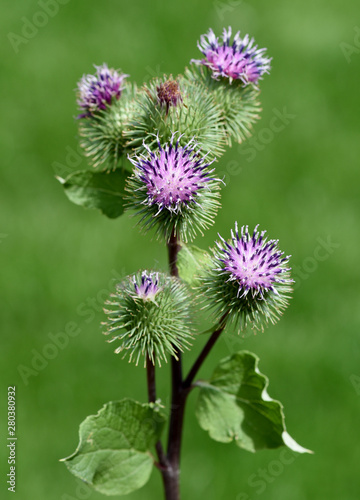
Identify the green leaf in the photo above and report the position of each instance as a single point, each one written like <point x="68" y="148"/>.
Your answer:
<point x="113" y="453"/>
<point x="235" y="406"/>
<point x="191" y="261"/>
<point x="101" y="190"/>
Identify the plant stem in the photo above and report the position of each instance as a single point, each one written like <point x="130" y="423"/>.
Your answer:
<point x="150" y="373"/>
<point x="173" y="250"/>
<point x="202" y="356"/>
<point x="180" y="390"/>
<point x="178" y="398"/>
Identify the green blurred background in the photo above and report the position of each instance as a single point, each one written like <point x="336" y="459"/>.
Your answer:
<point x="59" y="261"/>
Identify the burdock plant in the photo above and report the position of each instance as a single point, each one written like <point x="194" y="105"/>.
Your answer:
<point x="152" y="152"/>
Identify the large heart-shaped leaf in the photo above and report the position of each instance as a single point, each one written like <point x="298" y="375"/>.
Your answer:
<point x="113" y="454"/>
<point x="235" y="406"/>
<point x="101" y="190"/>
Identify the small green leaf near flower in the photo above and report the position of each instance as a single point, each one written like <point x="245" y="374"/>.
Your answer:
<point x="235" y="406"/>
<point x="101" y="190"/>
<point x="113" y="454"/>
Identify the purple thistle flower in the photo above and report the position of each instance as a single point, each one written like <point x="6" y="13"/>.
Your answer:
<point x="148" y="287"/>
<point x="242" y="60"/>
<point x="249" y="279"/>
<point x="97" y="91"/>
<point x="174" y="189"/>
<point x="169" y="94"/>
<point x="256" y="265"/>
<point x="174" y="176"/>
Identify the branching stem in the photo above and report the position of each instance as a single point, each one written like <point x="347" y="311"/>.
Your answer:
<point x="202" y="356"/>
<point x="180" y="389"/>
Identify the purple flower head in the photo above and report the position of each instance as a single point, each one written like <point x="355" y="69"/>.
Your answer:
<point x="174" y="176"/>
<point x="249" y="279"/>
<point x="241" y="60"/>
<point x="169" y="94"/>
<point x="97" y="91"/>
<point x="148" y="287"/>
<point x="255" y="264"/>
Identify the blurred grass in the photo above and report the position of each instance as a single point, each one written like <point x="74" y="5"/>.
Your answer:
<point x="58" y="259"/>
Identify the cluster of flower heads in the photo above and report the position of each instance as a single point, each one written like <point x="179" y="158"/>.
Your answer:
<point x="96" y="92"/>
<point x="241" y="60"/>
<point x="249" y="278"/>
<point x="149" y="314"/>
<point x="120" y="118"/>
<point x="175" y="189"/>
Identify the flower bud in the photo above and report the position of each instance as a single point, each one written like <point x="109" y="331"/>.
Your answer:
<point x="165" y="105"/>
<point x="169" y="94"/>
<point x="149" y="314"/>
